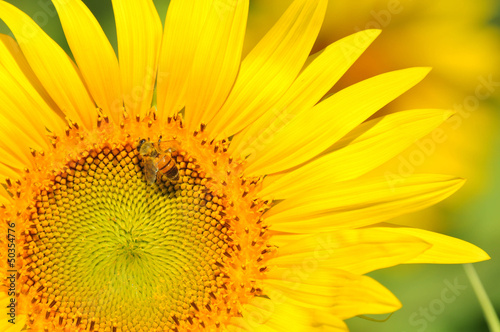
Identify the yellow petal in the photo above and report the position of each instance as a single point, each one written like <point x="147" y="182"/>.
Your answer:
<point x="7" y="172"/>
<point x="323" y="71"/>
<point x="139" y="31"/>
<point x="359" y="202"/>
<point x="51" y="64"/>
<point x="12" y="111"/>
<point x="5" y="325"/>
<point x="16" y="103"/>
<point x="445" y="249"/>
<point x="93" y="54"/>
<point x="276" y="315"/>
<point x="263" y="314"/>
<point x="21" y="84"/>
<point x="20" y="324"/>
<point x="310" y="133"/>
<point x="21" y="104"/>
<point x="15" y="145"/>
<point x="271" y="67"/>
<point x="327" y="322"/>
<point x="183" y="26"/>
<point x="373" y="142"/>
<point x="358" y="251"/>
<point x="343" y="293"/>
<point x="217" y="61"/>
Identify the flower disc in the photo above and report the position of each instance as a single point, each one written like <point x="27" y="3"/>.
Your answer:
<point x="105" y="249"/>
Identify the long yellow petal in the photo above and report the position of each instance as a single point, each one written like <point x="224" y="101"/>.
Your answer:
<point x="271" y="67"/>
<point x="10" y="173"/>
<point x="15" y="145"/>
<point x="358" y="251"/>
<point x="326" y="322"/>
<point x="267" y="314"/>
<point x="359" y="202"/>
<point x="51" y="64"/>
<point x="310" y="133"/>
<point x="183" y="26"/>
<point x="445" y="249"/>
<point x="21" y="103"/>
<point x="22" y="85"/>
<point x="276" y="315"/>
<point x="93" y="54"/>
<point x="16" y="103"/>
<point x="217" y="60"/>
<point x="323" y="71"/>
<point x="139" y="32"/>
<point x="374" y="142"/>
<point x="343" y="293"/>
<point x="5" y="325"/>
<point x="11" y="110"/>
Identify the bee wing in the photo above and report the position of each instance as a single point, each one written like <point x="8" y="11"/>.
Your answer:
<point x="150" y="170"/>
<point x="167" y="146"/>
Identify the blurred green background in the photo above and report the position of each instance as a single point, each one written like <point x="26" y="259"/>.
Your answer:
<point x="461" y="41"/>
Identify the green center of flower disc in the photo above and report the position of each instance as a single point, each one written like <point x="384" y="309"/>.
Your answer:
<point x="107" y="251"/>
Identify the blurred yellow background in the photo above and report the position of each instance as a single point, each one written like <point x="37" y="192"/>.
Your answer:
<point x="461" y="41"/>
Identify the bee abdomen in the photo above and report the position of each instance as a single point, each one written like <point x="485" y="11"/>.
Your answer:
<point x="173" y="173"/>
<point x="170" y="169"/>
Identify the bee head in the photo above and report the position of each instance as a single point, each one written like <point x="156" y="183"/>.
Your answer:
<point x="141" y="142"/>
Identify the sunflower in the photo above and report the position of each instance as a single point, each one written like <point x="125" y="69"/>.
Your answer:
<point x="234" y="204"/>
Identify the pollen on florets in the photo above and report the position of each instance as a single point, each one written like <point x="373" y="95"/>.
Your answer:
<point x="103" y="249"/>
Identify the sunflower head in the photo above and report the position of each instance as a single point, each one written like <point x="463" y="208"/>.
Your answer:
<point x="237" y="202"/>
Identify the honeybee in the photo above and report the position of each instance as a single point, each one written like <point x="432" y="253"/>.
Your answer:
<point x="157" y="160"/>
